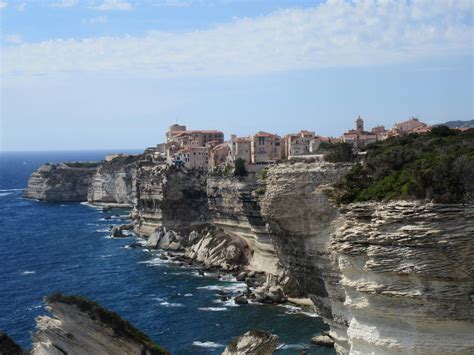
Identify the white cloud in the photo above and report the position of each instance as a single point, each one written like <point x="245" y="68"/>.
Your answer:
<point x="95" y="20"/>
<point x="113" y="5"/>
<point x="13" y="38"/>
<point x="3" y="4"/>
<point x="64" y="3"/>
<point x="334" y="34"/>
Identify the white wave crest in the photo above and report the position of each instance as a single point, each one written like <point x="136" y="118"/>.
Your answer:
<point x="28" y="272"/>
<point x="207" y="344"/>
<point x="169" y="304"/>
<point x="213" y="309"/>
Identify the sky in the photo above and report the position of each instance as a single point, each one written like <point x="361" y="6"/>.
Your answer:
<point x="114" y="74"/>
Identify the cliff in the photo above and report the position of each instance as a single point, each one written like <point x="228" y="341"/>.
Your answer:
<point x="169" y="198"/>
<point x="234" y="209"/>
<point x="301" y="219"/>
<point x="114" y="182"/>
<point x="80" y="326"/>
<point x="61" y="182"/>
<point x="408" y="276"/>
<point x="389" y="278"/>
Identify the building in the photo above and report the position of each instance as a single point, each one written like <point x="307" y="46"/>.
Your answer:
<point x="219" y="155"/>
<point x="297" y="143"/>
<point x="358" y="137"/>
<point x="191" y="148"/>
<point x="240" y="148"/>
<point x="265" y="148"/>
<point x="408" y="126"/>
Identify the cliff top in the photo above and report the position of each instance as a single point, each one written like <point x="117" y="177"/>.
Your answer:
<point x="437" y="166"/>
<point x="111" y="319"/>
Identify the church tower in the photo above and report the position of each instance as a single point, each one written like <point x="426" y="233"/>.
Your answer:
<point x="359" y="124"/>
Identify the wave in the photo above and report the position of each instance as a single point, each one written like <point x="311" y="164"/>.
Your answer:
<point x="11" y="190"/>
<point x="207" y="344"/>
<point x="213" y="309"/>
<point x="291" y="346"/>
<point x="28" y="272"/>
<point x="5" y="193"/>
<point x="188" y="295"/>
<point x="103" y="230"/>
<point x="298" y="310"/>
<point x="229" y="303"/>
<point x="169" y="304"/>
<point x="100" y="208"/>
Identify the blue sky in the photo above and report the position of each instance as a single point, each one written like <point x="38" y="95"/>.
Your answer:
<point x="114" y="74"/>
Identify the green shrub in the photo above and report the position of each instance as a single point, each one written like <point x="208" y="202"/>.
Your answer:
<point x="239" y="169"/>
<point x="338" y="152"/>
<point x="438" y="166"/>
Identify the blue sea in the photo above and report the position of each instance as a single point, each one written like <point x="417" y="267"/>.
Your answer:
<point x="49" y="247"/>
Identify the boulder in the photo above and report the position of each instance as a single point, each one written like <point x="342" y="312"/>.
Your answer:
<point x="275" y="294"/>
<point x="8" y="346"/>
<point x="322" y="340"/>
<point x="117" y="232"/>
<point x="240" y="299"/>
<point x="241" y="276"/>
<point x="153" y="239"/>
<point x="254" y="342"/>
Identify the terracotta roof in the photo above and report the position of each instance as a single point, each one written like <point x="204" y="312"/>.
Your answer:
<point x="265" y="134"/>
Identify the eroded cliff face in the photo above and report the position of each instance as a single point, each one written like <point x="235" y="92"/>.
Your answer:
<point x="301" y="219"/>
<point x="408" y="275"/>
<point x="389" y="278"/>
<point x="61" y="182"/>
<point x="170" y="198"/>
<point x="234" y="209"/>
<point x="74" y="331"/>
<point x="114" y="182"/>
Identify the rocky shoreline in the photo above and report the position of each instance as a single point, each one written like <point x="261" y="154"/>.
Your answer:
<point x="366" y="267"/>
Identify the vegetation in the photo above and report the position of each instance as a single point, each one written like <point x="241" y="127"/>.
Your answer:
<point x="336" y="153"/>
<point x="120" y="162"/>
<point x="120" y="326"/>
<point x="438" y="166"/>
<point x="92" y="164"/>
<point x="239" y="169"/>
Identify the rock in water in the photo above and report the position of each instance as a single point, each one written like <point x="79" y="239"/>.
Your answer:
<point x="254" y="342"/>
<point x="322" y="340"/>
<point x="81" y="326"/>
<point x="8" y="346"/>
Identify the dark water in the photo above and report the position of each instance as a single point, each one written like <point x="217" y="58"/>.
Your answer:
<point x="48" y="247"/>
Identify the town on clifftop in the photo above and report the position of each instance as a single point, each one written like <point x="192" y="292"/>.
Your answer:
<point x="207" y="149"/>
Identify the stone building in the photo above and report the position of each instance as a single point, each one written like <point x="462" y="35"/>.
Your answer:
<point x="408" y="126"/>
<point x="265" y="148"/>
<point x="297" y="143"/>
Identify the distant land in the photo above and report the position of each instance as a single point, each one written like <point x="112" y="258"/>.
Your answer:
<point x="458" y="124"/>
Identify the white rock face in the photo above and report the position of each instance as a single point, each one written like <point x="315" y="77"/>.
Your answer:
<point x="73" y="332"/>
<point x="114" y="182"/>
<point x="60" y="183"/>
<point x="253" y="342"/>
<point x="408" y="275"/>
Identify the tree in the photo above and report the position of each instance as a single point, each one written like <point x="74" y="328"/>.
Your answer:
<point x="240" y="168"/>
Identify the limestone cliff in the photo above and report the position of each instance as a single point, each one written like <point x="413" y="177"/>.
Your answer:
<point x="114" y="182"/>
<point x="392" y="278"/>
<point x="301" y="219"/>
<point x="80" y="326"/>
<point x="61" y="182"/>
<point x="234" y="209"/>
<point x="408" y="276"/>
<point x="169" y="198"/>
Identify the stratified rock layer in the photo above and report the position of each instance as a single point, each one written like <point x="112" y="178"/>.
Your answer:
<point x="253" y="342"/>
<point x="114" y="182"/>
<point x="234" y="208"/>
<point x="60" y="182"/>
<point x="170" y="198"/>
<point x="74" y="331"/>
<point x="301" y="219"/>
<point x="408" y="275"/>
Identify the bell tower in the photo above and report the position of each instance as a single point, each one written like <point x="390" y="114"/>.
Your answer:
<point x="359" y="124"/>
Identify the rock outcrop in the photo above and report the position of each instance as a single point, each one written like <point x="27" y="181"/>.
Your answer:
<point x="301" y="219"/>
<point x="234" y="209"/>
<point x="8" y="346"/>
<point x="254" y="342"/>
<point x="408" y="276"/>
<point x="114" y="182"/>
<point x="80" y="326"/>
<point x="61" y="182"/>
<point x="170" y="198"/>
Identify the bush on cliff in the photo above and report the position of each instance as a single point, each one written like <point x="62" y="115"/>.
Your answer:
<point x="438" y="166"/>
<point x="239" y="169"/>
<point x="337" y="153"/>
<point x="120" y="326"/>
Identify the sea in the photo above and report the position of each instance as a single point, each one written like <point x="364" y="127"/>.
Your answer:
<point x="67" y="247"/>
